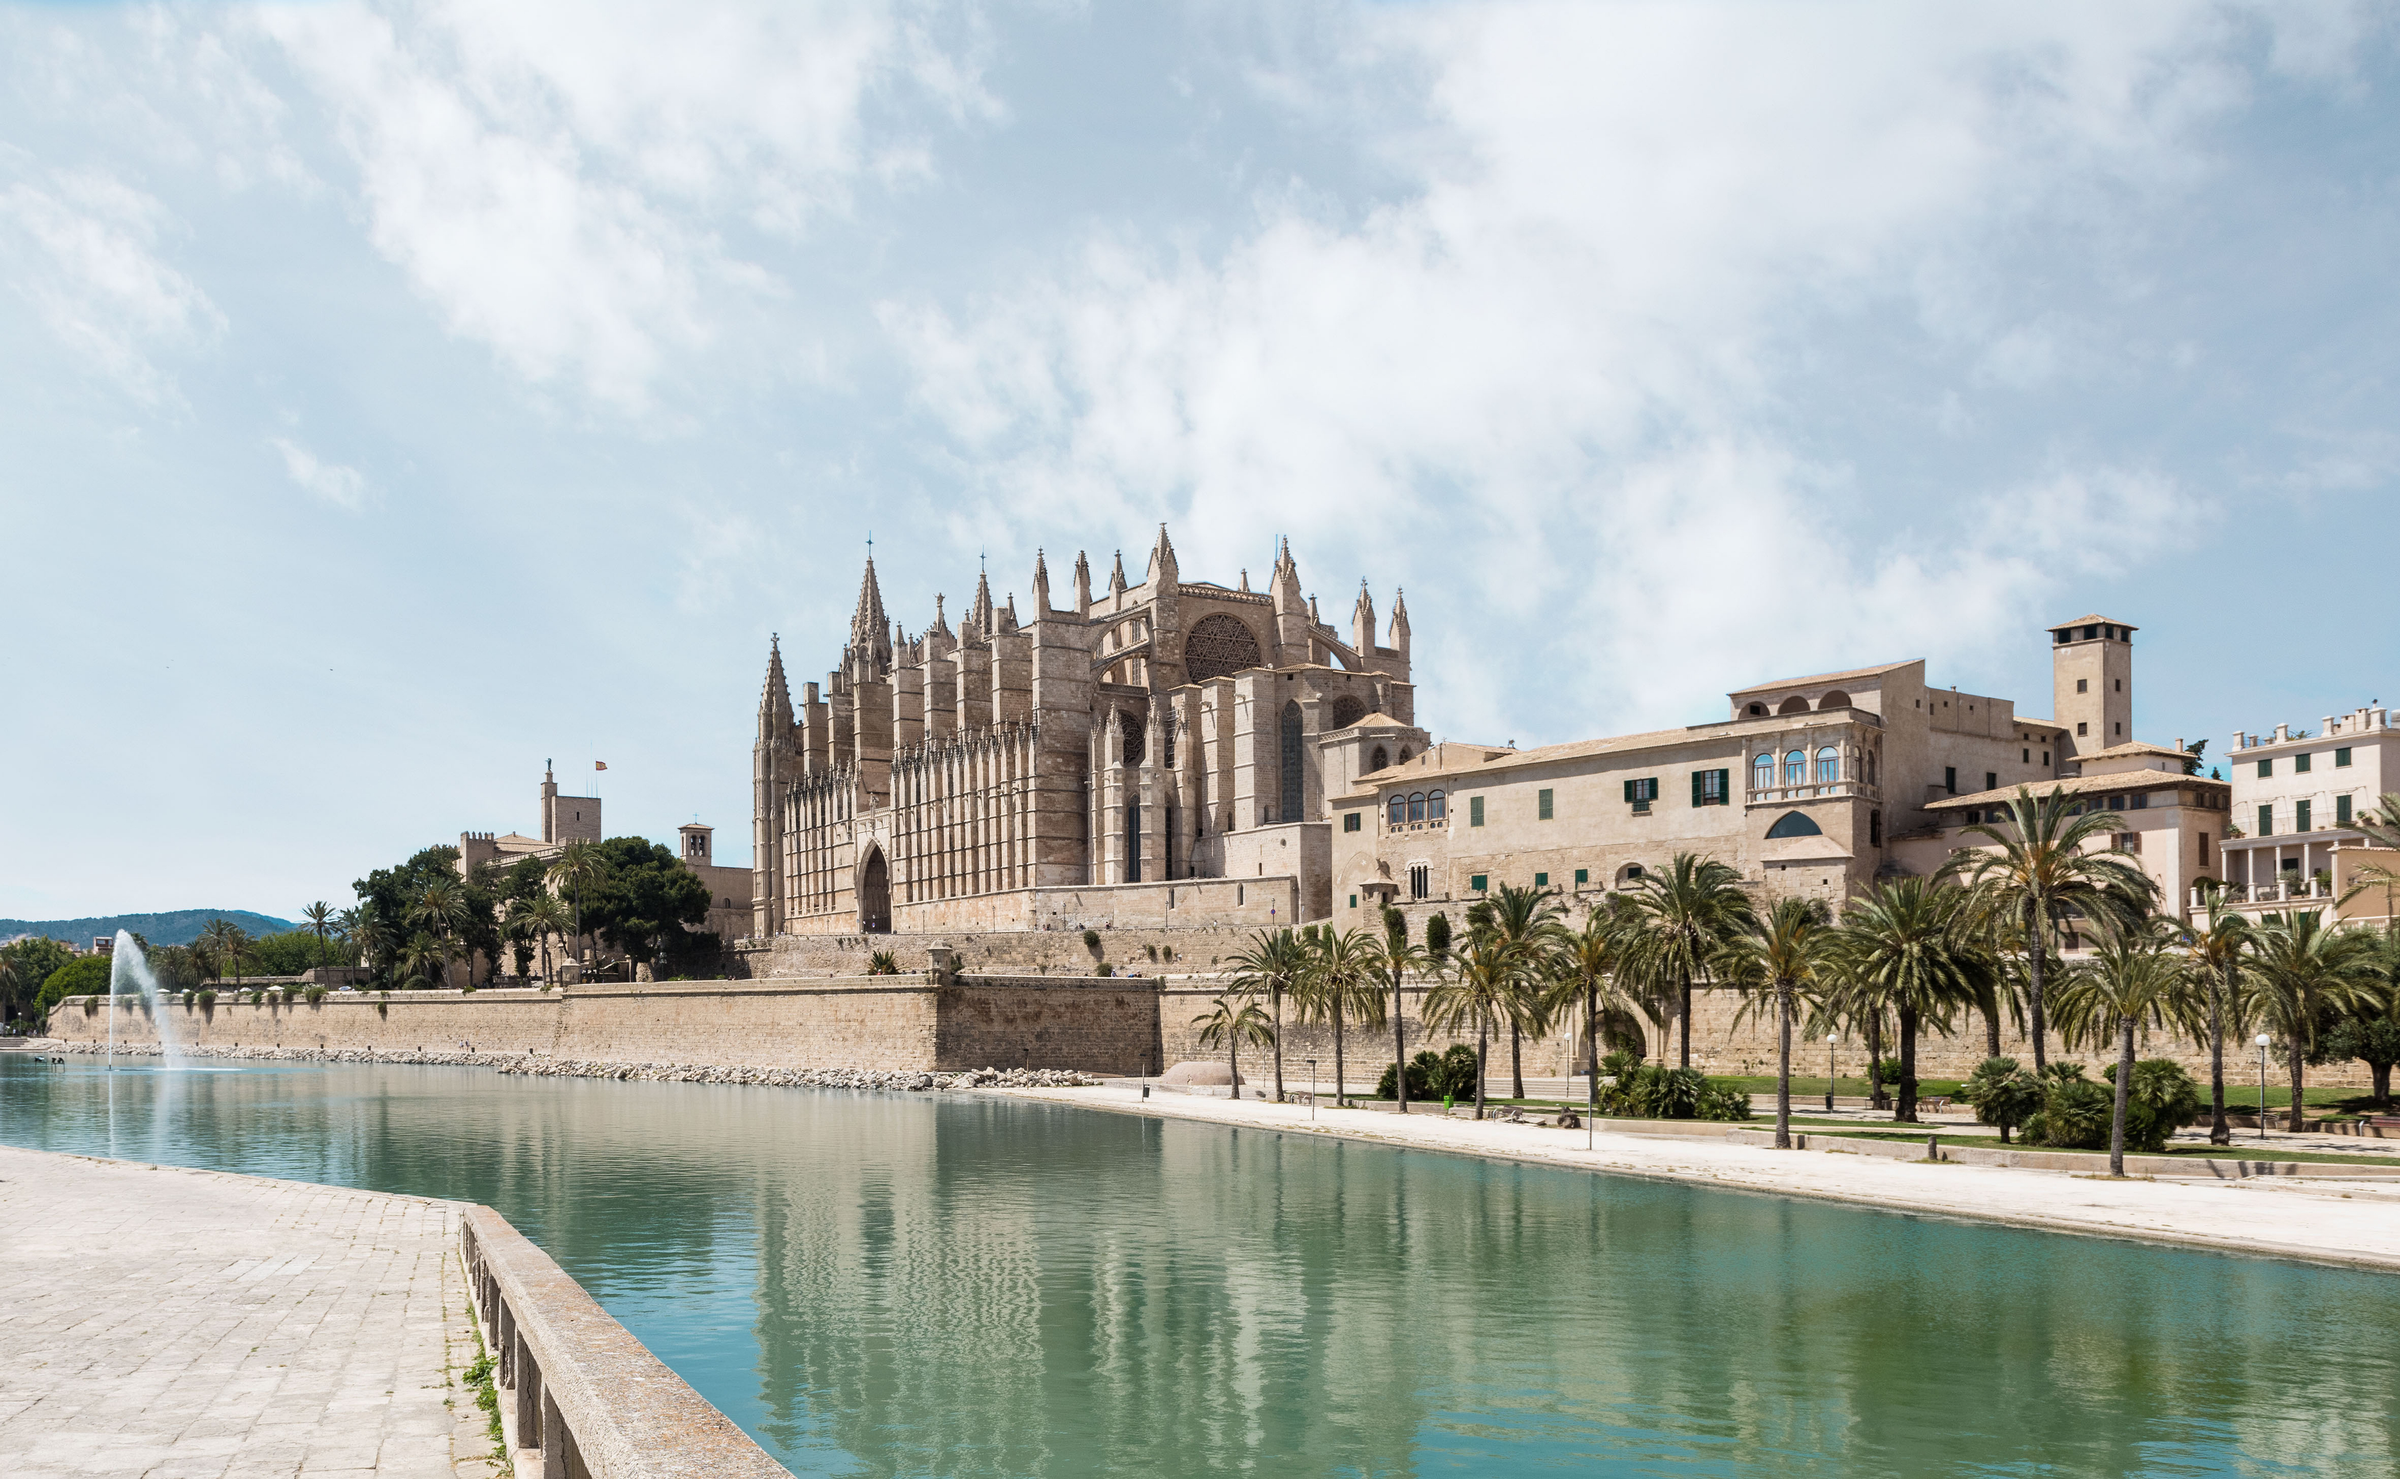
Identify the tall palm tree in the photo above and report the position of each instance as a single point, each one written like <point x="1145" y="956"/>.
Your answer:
<point x="2299" y="974"/>
<point x="319" y="917"/>
<point x="2041" y="870"/>
<point x="1685" y="915"/>
<point x="1339" y="985"/>
<point x="1232" y="1021"/>
<point x="1585" y="967"/>
<point x="422" y="961"/>
<point x="579" y="865"/>
<point x="1390" y="960"/>
<point x="1526" y="921"/>
<point x="2213" y="955"/>
<point x="543" y="916"/>
<point x="1477" y="990"/>
<point x="1908" y="946"/>
<point x="1272" y="963"/>
<point x="2133" y="979"/>
<point x="1783" y="955"/>
<point x="441" y="908"/>
<point x="226" y="941"/>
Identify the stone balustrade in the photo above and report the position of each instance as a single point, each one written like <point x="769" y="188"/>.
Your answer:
<point x="576" y="1389"/>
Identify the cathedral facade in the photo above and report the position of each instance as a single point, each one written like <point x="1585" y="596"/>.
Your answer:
<point x="1076" y="762"/>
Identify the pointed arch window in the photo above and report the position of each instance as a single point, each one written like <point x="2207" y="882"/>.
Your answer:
<point x="1377" y="761"/>
<point x="1795" y="768"/>
<point x="1829" y="766"/>
<point x="1291" y="760"/>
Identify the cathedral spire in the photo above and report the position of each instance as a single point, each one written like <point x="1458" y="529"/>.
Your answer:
<point x="1083" y="585"/>
<point x="1362" y="624"/>
<point x="1400" y="622"/>
<point x="775" y="702"/>
<point x="982" y="614"/>
<point x="870" y="630"/>
<point x="1116" y="577"/>
<point x="1041" y="587"/>
<point x="1162" y="560"/>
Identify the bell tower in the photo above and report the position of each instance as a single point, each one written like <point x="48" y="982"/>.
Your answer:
<point x="2091" y="683"/>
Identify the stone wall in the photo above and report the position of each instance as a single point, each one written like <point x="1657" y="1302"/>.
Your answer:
<point x="1002" y="952"/>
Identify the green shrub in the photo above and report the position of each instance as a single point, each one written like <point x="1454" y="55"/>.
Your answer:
<point x="2002" y="1093"/>
<point x="2162" y="1099"/>
<point x="2075" y="1114"/>
<point x="208" y="998"/>
<point x="1657" y="1093"/>
<point x="1423" y="1070"/>
<point x="1724" y="1102"/>
<point x="315" y="994"/>
<point x="1091" y="939"/>
<point x="883" y="963"/>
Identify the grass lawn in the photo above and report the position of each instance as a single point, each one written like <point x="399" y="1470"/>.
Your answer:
<point x="2235" y="1152"/>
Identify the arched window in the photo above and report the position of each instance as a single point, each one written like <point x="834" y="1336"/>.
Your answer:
<point x="1404" y="754"/>
<point x="1793" y="705"/>
<point x="1381" y="758"/>
<point x="1870" y="767"/>
<point x="1829" y="766"/>
<point x="1795" y="768"/>
<point x="1291" y="760"/>
<point x="1416" y="807"/>
<point x="1130" y="729"/>
<point x="1399" y="808"/>
<point x="1762" y="772"/>
<point x="1795" y="824"/>
<point x="1347" y="710"/>
<point x="1435" y="807"/>
<point x="1834" y="699"/>
<point x="1218" y="645"/>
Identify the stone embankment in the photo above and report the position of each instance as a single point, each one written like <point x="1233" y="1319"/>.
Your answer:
<point x="535" y="1066"/>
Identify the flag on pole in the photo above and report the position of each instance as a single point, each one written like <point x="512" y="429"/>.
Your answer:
<point x="599" y="765"/>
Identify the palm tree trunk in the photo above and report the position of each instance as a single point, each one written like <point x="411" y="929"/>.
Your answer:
<point x="1399" y="1048"/>
<point x="1783" y="1069"/>
<point x="1337" y="1051"/>
<point x="2219" y="1132"/>
<point x="1687" y="1021"/>
<point x="1907" y="1111"/>
<point x="2033" y="975"/>
<point x="1875" y="1058"/>
<point x="1991" y="1026"/>
<point x="2116" y="1129"/>
<point x="1233" y="1064"/>
<point x="2294" y="1122"/>
<point x="1275" y="994"/>
<point x="1591" y="1032"/>
<point x="1516" y="1061"/>
<point x="1482" y="1048"/>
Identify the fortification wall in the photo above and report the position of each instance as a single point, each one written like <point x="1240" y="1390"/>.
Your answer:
<point x="1001" y="953"/>
<point x="1265" y="902"/>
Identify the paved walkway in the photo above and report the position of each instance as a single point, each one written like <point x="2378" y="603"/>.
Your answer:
<point x="163" y="1322"/>
<point x="2321" y="1221"/>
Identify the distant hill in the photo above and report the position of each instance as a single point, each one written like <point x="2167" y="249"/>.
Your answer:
<point x="177" y="927"/>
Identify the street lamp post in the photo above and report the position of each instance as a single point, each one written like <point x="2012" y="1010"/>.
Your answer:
<point x="2263" y="1040"/>
<point x="1312" y="1088"/>
<point x="1829" y="1039"/>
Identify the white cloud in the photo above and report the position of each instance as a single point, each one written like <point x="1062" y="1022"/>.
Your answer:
<point x="1553" y="377"/>
<point x="343" y="487"/>
<point x="83" y="248"/>
<point x="559" y="179"/>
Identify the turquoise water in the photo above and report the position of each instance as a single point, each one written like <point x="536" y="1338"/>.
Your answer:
<point x="905" y="1284"/>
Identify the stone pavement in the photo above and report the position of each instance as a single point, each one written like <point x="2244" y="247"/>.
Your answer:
<point x="173" y="1323"/>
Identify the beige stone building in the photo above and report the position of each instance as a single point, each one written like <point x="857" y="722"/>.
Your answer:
<point x="2295" y="796"/>
<point x="1077" y="765"/>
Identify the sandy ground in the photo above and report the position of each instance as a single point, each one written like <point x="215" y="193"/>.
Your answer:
<point x="2320" y="1221"/>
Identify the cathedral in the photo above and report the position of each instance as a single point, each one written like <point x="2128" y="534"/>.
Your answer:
<point x="1029" y="771"/>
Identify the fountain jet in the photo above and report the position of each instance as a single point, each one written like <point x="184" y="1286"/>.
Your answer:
<point x="129" y="974"/>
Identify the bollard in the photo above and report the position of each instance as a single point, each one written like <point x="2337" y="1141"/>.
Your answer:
<point x="1933" y="1147"/>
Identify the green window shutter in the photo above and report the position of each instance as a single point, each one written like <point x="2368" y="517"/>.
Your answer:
<point x="1354" y="901"/>
<point x="1542" y="799"/>
<point x="1699" y="788"/>
<point x="2266" y="767"/>
<point x="2341" y="758"/>
<point x="1541" y="880"/>
<point x="2300" y="764"/>
<point x="1629" y="790"/>
<point x="2266" y="818"/>
<point x="1475" y="811"/>
<point x="1476" y="882"/>
<point x="2299" y="816"/>
<point x="2341" y="811"/>
<point x="1583" y="876"/>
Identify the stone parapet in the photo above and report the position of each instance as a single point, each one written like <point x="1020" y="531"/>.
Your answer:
<point x="580" y="1395"/>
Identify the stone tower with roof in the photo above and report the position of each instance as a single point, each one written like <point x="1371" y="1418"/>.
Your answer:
<point x="2091" y="683"/>
<point x="1155" y="733"/>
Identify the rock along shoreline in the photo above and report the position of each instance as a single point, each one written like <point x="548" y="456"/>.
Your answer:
<point x="532" y="1065"/>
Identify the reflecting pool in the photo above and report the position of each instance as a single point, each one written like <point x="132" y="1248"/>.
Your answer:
<point x="910" y="1284"/>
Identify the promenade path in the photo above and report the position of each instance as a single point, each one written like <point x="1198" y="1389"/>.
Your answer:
<point x="174" y="1323"/>
<point x="2356" y="1223"/>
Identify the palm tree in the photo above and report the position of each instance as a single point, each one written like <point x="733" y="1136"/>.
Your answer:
<point x="1585" y="966"/>
<point x="1784" y="955"/>
<point x="1526" y="921"/>
<point x="578" y="865"/>
<point x="1339" y="984"/>
<point x="543" y="916"/>
<point x="1272" y="963"/>
<point x="319" y="917"/>
<point x="2041" y="870"/>
<point x="440" y="906"/>
<point x="2299" y="974"/>
<point x="1482" y="982"/>
<point x="1685" y="917"/>
<point x="2133" y="979"/>
<point x="1389" y="960"/>
<point x="1233" y="1021"/>
<point x="2213" y="955"/>
<point x="422" y="961"/>
<point x="226" y="941"/>
<point x="1908" y="947"/>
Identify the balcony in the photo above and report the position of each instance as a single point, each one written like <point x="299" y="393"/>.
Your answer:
<point x="1785" y="795"/>
<point x="1438" y="824"/>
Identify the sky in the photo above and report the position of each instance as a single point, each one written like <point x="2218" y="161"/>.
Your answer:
<point x="396" y="396"/>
